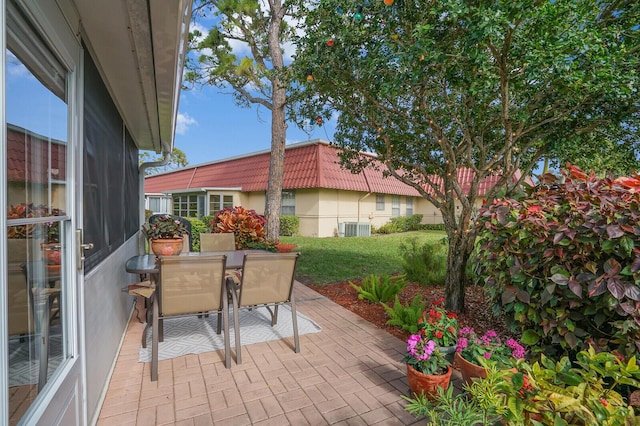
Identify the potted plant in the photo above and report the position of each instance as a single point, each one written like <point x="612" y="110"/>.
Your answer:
<point x="166" y="235"/>
<point x="51" y="249"/>
<point x="440" y="326"/>
<point x="474" y="351"/>
<point x="427" y="369"/>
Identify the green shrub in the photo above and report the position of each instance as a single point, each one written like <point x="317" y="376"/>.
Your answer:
<point x="426" y="264"/>
<point x="401" y="224"/>
<point x="433" y="226"/>
<point x="406" y="317"/>
<point x="380" y="289"/>
<point x="563" y="262"/>
<point x="289" y="225"/>
<point x="447" y="408"/>
<point x="197" y="227"/>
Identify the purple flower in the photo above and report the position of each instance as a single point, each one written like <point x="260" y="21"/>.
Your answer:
<point x="491" y="334"/>
<point x="466" y="331"/>
<point x="462" y="344"/>
<point x="487" y="355"/>
<point x="516" y="348"/>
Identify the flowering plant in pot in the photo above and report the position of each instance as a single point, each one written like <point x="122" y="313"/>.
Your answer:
<point x="473" y="352"/>
<point x="441" y="326"/>
<point x="427" y="368"/>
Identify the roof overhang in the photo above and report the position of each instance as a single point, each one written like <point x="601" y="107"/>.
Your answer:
<point x="139" y="47"/>
<point x="192" y="190"/>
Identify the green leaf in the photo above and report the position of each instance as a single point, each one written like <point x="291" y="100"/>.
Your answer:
<point x="530" y="337"/>
<point x="560" y="279"/>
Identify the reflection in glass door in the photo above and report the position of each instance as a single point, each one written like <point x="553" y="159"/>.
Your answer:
<point x="38" y="224"/>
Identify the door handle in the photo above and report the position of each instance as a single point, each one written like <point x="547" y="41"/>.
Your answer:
<point x="81" y="247"/>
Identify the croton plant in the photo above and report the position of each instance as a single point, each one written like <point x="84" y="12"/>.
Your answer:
<point x="563" y="261"/>
<point x="29" y="210"/>
<point x="246" y="224"/>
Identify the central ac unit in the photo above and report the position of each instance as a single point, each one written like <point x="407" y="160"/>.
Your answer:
<point x="357" y="229"/>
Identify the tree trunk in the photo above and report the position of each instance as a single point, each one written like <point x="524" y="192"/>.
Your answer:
<point x="276" y="173"/>
<point x="278" y="127"/>
<point x="455" y="280"/>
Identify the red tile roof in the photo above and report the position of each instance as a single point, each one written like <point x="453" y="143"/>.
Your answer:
<point x="29" y="153"/>
<point x="313" y="164"/>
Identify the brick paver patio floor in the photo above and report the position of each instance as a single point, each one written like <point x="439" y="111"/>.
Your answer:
<point x="350" y="373"/>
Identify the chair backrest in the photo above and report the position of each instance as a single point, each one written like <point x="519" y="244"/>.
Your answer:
<point x="217" y="241"/>
<point x="267" y="278"/>
<point x="184" y="221"/>
<point x="191" y="284"/>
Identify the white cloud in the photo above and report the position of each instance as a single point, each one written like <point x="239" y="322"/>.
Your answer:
<point x="183" y="122"/>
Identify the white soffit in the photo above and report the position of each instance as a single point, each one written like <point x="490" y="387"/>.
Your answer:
<point x="139" y="47"/>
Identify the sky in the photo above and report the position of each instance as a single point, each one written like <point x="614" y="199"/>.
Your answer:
<point x="211" y="127"/>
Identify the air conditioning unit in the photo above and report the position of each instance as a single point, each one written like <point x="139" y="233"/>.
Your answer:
<point x="357" y="229"/>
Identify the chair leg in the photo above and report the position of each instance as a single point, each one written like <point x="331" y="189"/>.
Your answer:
<point x="236" y="322"/>
<point x="274" y="316"/>
<point x="294" y="320"/>
<point x="219" y="325"/>
<point x="225" y="319"/>
<point x="154" y="339"/>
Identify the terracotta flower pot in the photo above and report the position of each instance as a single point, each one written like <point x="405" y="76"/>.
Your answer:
<point x="167" y="247"/>
<point x="51" y="253"/>
<point x="427" y="383"/>
<point x="469" y="370"/>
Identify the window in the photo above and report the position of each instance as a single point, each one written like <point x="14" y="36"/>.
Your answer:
<point x="154" y="204"/>
<point x="288" y="204"/>
<point x="188" y="205"/>
<point x="218" y="202"/>
<point x="37" y="122"/>
<point x="380" y="202"/>
<point x="395" y="205"/>
<point x="409" y="208"/>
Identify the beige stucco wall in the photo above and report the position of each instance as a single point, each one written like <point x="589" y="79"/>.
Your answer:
<point x="321" y="211"/>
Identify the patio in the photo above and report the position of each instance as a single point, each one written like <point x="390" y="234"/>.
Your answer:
<point x="349" y="373"/>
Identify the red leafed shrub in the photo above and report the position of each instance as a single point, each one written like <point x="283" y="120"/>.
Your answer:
<point x="247" y="225"/>
<point x="285" y="248"/>
<point x="563" y="261"/>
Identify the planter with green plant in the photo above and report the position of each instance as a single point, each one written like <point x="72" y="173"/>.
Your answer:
<point x="474" y="352"/>
<point x="165" y="235"/>
<point x="427" y="369"/>
<point x="441" y="326"/>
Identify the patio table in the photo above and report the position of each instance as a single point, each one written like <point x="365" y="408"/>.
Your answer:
<point x="145" y="264"/>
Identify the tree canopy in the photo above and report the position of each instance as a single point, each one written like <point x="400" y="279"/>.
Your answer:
<point x="491" y="86"/>
<point x="243" y="51"/>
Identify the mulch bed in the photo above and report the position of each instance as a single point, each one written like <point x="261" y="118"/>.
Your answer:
<point x="477" y="313"/>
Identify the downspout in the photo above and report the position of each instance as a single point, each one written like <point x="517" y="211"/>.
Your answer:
<point x="166" y="152"/>
<point x="364" y="174"/>
<point x="361" y="199"/>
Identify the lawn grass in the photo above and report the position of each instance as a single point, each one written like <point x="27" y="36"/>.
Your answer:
<point x="331" y="260"/>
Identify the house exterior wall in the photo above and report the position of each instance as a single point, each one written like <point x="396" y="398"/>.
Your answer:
<point x="321" y="211"/>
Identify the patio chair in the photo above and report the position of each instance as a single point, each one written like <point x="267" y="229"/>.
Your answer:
<point x="189" y="286"/>
<point x="267" y="280"/>
<point x="217" y="241"/>
<point x="187" y="247"/>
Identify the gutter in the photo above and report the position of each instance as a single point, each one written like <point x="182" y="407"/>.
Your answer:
<point x="166" y="152"/>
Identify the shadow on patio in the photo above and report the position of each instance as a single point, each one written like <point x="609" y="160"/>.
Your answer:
<point x="348" y="373"/>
